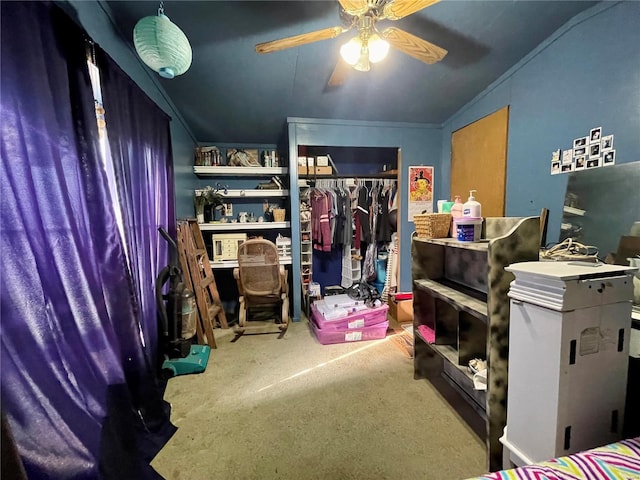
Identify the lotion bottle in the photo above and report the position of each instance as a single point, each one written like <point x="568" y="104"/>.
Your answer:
<point x="456" y="212"/>
<point x="456" y="208"/>
<point x="472" y="208"/>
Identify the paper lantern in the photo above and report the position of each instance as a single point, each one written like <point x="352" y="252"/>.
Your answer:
<point x="162" y="46"/>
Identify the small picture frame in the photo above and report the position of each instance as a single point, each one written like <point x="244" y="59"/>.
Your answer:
<point x="567" y="168"/>
<point x="594" y="150"/>
<point x="555" y="156"/>
<point x="593" y="163"/>
<point x="555" y="168"/>
<point x="607" y="143"/>
<point x="580" y="142"/>
<point x="595" y="135"/>
<point x="581" y="162"/>
<point x="580" y="151"/>
<point x="609" y="158"/>
<point x="228" y="209"/>
<point x="567" y="157"/>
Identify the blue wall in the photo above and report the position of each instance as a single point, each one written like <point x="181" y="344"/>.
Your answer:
<point x="95" y="18"/>
<point x="585" y="75"/>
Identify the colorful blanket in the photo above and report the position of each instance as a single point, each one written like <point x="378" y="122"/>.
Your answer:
<point x="616" y="461"/>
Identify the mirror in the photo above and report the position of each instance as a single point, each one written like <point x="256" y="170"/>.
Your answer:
<point x="602" y="205"/>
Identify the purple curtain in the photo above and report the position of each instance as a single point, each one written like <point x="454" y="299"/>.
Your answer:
<point x="77" y="387"/>
<point x="140" y="146"/>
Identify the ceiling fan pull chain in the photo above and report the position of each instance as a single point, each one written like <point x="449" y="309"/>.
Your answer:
<point x="161" y="8"/>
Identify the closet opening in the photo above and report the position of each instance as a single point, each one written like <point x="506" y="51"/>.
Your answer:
<point x="348" y="221"/>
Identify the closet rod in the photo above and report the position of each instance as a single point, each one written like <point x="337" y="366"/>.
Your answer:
<point x="369" y="176"/>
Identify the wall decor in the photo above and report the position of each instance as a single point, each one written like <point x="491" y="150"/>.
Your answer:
<point x="580" y="151"/>
<point x="593" y="163"/>
<point x="595" y="135"/>
<point x="609" y="158"/>
<point x="580" y="142"/>
<point x="243" y="157"/>
<point x="420" y="191"/>
<point x="592" y="151"/>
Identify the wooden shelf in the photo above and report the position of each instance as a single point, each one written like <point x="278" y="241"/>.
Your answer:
<point x="239" y="171"/>
<point x="452" y="281"/>
<point x="456" y="297"/>
<point x="481" y="245"/>
<point x="244" y="226"/>
<point x="234" y="263"/>
<point x="254" y="193"/>
<point x="458" y="376"/>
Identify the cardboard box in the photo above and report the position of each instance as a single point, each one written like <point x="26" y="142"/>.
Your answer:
<point x="401" y="310"/>
<point x="315" y="171"/>
<point x="322" y="161"/>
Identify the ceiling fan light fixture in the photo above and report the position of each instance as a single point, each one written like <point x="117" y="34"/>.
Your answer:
<point x="350" y="51"/>
<point x="161" y="45"/>
<point x="378" y="48"/>
<point x="363" y="64"/>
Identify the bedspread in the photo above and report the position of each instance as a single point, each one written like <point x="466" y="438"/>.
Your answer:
<point x="616" y="461"/>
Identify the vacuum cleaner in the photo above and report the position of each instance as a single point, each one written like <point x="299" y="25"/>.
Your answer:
<point x="177" y="316"/>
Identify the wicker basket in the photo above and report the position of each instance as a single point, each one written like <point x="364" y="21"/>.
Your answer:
<point x="432" y="225"/>
<point x="278" y="214"/>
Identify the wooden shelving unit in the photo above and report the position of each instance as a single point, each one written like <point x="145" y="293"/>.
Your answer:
<point x="460" y="300"/>
<point x="224" y="226"/>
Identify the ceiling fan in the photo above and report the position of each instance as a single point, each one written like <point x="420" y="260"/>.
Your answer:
<point x="369" y="45"/>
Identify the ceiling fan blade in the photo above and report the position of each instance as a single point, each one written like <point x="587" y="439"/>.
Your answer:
<point x="354" y="7"/>
<point x="298" y="40"/>
<point x="340" y="73"/>
<point x="418" y="48"/>
<point x="401" y="8"/>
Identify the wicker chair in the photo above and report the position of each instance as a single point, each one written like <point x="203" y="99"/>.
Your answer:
<point x="263" y="287"/>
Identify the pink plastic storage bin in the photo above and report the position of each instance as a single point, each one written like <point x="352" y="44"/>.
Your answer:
<point x="357" y="320"/>
<point x="327" y="336"/>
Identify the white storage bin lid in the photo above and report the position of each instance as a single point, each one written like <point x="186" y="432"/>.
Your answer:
<point x="564" y="286"/>
<point x="568" y="270"/>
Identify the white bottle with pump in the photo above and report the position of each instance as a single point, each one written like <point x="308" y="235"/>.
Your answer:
<point x="472" y="208"/>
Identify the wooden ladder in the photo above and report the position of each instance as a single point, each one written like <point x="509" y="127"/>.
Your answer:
<point x="199" y="277"/>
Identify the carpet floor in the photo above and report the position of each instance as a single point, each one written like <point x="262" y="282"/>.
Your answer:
<point x="291" y="408"/>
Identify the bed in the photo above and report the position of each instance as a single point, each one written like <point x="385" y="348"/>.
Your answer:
<point x="616" y="461"/>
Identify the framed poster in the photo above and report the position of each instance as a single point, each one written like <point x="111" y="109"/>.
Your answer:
<point x="420" y="191"/>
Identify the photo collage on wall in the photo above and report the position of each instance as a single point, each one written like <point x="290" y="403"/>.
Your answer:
<point x="592" y="151"/>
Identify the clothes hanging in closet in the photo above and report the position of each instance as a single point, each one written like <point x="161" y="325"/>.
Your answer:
<point x="320" y="227"/>
<point x="352" y="218"/>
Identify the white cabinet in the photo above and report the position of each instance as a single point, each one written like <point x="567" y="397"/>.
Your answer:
<point x="568" y="358"/>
